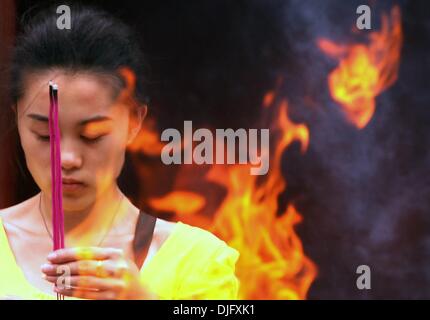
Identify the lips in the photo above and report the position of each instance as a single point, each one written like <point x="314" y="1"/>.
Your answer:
<point x="72" y="185"/>
<point x="71" y="181"/>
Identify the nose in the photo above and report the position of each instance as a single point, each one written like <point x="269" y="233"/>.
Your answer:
<point x="70" y="157"/>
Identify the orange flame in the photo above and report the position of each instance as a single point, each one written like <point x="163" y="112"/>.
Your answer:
<point x="181" y="202"/>
<point x="365" y="71"/>
<point x="268" y="99"/>
<point x="147" y="140"/>
<point x="272" y="264"/>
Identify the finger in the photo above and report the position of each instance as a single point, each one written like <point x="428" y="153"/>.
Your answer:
<point x="100" y="268"/>
<point x="65" y="283"/>
<point x="88" y="283"/>
<point x="91" y="287"/>
<point x="54" y="269"/>
<point x="84" y="253"/>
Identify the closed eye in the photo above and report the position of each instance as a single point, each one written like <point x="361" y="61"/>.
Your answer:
<point x="43" y="138"/>
<point x="85" y="139"/>
<point x="92" y="139"/>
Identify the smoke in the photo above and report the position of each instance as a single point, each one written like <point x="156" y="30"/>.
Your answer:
<point x="364" y="194"/>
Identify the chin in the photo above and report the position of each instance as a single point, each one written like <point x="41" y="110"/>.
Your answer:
<point x="73" y="202"/>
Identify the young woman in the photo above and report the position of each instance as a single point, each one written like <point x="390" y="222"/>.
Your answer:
<point x="113" y="249"/>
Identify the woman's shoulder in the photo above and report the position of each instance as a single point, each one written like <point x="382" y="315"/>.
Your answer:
<point x="196" y="234"/>
<point x="163" y="229"/>
<point x="6" y="213"/>
<point x="17" y="213"/>
<point x="195" y="241"/>
<point x="193" y="264"/>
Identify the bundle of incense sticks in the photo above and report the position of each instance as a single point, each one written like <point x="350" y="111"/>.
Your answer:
<point x="56" y="176"/>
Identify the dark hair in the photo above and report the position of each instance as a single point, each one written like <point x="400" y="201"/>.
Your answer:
<point x="97" y="41"/>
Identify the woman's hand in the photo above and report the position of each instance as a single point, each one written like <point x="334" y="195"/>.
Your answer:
<point x="95" y="273"/>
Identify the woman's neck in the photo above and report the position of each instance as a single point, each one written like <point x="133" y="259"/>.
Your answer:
<point x="90" y="225"/>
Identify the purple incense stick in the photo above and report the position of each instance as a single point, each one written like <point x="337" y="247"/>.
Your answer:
<point x="56" y="177"/>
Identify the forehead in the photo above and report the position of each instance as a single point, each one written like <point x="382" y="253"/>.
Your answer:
<point x="79" y="94"/>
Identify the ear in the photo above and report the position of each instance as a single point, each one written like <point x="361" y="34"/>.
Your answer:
<point x="136" y="121"/>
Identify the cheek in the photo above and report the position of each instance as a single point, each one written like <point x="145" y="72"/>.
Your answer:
<point x="106" y="161"/>
<point x="37" y="157"/>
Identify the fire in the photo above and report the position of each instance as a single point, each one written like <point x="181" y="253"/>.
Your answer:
<point x="272" y="264"/>
<point x="148" y="140"/>
<point x="364" y="71"/>
<point x="183" y="203"/>
<point x="268" y="99"/>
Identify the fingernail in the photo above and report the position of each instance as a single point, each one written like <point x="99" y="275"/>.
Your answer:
<point x="43" y="276"/>
<point x="52" y="256"/>
<point x="47" y="267"/>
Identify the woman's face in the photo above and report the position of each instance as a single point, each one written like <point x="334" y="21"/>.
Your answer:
<point x="95" y="131"/>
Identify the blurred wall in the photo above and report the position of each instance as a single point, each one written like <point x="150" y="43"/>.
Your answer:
<point x="7" y="34"/>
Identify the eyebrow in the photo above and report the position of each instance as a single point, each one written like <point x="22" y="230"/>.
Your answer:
<point x="97" y="118"/>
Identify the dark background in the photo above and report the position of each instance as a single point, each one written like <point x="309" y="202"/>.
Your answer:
<point x="364" y="194"/>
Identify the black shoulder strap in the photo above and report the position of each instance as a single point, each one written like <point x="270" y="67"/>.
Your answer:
<point x="142" y="237"/>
